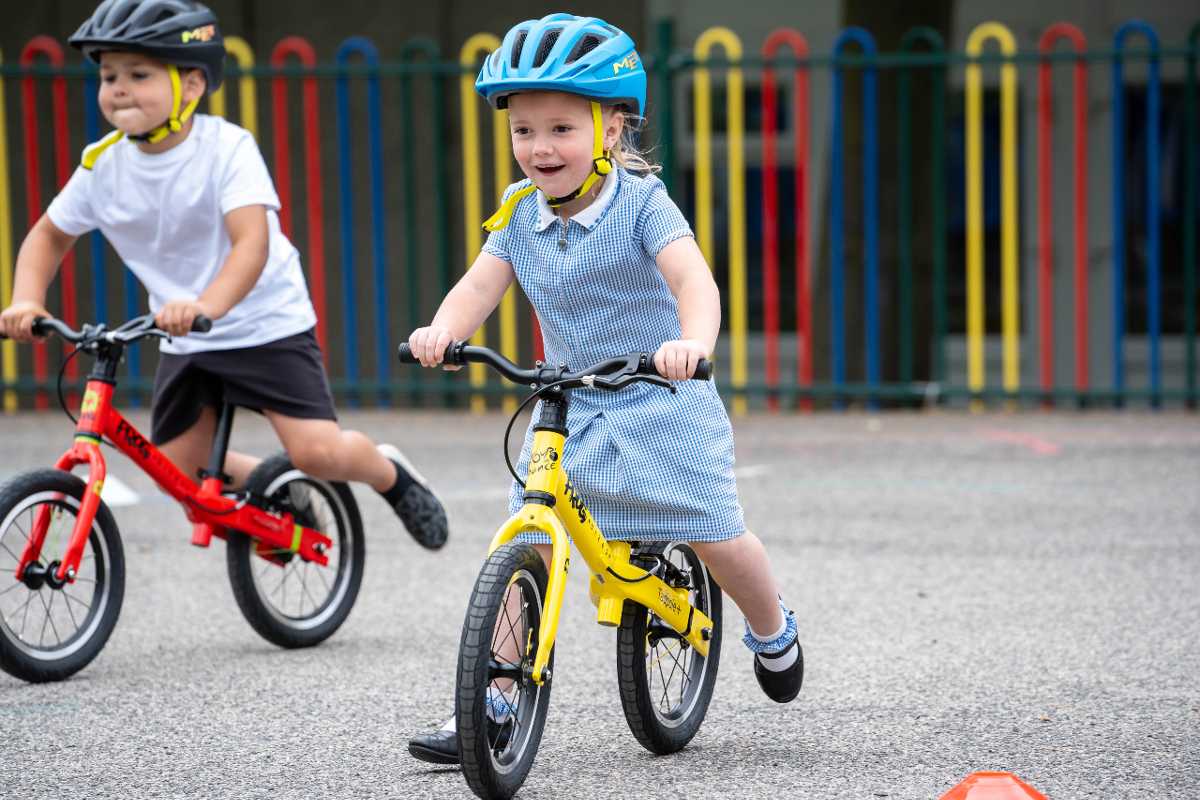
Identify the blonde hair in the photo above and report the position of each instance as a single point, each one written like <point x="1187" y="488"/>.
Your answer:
<point x="626" y="152"/>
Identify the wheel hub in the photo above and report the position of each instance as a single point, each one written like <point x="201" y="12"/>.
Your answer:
<point x="36" y="576"/>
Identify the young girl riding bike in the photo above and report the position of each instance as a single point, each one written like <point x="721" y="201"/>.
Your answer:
<point x="611" y="267"/>
<point x="188" y="204"/>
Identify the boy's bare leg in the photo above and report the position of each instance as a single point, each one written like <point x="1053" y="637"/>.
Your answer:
<point x="743" y="571"/>
<point x="191" y="449"/>
<point x="322" y="449"/>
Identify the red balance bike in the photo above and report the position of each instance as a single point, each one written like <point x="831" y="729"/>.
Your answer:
<point x="294" y="553"/>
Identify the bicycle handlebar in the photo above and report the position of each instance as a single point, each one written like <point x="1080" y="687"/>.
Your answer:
<point x="612" y="373"/>
<point x="134" y="329"/>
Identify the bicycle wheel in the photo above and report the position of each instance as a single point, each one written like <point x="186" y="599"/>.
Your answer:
<point x="287" y="600"/>
<point x="500" y="712"/>
<point x="665" y="684"/>
<point x="49" y="631"/>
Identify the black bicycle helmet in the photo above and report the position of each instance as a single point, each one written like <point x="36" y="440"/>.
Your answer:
<point x="179" y="32"/>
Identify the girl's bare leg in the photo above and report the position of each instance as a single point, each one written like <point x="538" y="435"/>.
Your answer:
<point x="743" y="571"/>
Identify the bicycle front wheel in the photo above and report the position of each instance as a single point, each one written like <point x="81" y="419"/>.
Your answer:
<point x="665" y="684"/>
<point x="51" y="630"/>
<point x="500" y="712"/>
<point x="287" y="600"/>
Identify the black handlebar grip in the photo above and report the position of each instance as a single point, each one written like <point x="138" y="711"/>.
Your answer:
<point x="704" y="368"/>
<point x="406" y="354"/>
<point x="201" y="324"/>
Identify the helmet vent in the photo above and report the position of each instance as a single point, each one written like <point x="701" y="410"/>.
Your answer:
<point x="586" y="45"/>
<point x="546" y="46"/>
<point x="518" y="46"/>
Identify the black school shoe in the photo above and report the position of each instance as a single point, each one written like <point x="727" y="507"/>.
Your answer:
<point x="415" y="503"/>
<point x="784" y="685"/>
<point x="441" y="747"/>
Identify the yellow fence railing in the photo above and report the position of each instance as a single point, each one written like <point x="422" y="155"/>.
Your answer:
<point x="1008" y="209"/>
<point x="735" y="114"/>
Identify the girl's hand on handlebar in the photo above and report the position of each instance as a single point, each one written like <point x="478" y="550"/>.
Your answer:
<point x="176" y="317"/>
<point x="676" y="360"/>
<point x="16" y="321"/>
<point x="429" y="345"/>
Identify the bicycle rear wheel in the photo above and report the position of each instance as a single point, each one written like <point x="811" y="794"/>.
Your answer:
<point x="665" y="684"/>
<point x="500" y="712"/>
<point x="51" y="630"/>
<point x="287" y="600"/>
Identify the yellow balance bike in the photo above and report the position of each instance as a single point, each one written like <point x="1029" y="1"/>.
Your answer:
<point x="660" y="597"/>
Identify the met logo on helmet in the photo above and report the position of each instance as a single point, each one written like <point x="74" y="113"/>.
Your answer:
<point x="203" y="34"/>
<point x="628" y="62"/>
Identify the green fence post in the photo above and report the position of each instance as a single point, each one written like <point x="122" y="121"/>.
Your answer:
<point x="1190" y="139"/>
<point x="409" y="51"/>
<point x="936" y="45"/>
<point x="665" y="102"/>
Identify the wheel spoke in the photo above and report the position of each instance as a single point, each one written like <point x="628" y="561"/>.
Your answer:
<point x="16" y="558"/>
<point x="324" y="581"/>
<point x="45" y="621"/>
<point x="70" y="596"/>
<point x="14" y="586"/>
<point x="70" y="613"/>
<point x="50" y="616"/>
<point x="25" y="615"/>
<point x="304" y="586"/>
<point x="19" y="527"/>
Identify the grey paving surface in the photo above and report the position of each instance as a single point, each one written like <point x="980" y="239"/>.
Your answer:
<point x="1014" y="592"/>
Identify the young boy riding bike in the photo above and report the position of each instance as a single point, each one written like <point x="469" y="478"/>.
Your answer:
<point x="188" y="204"/>
<point x="611" y="266"/>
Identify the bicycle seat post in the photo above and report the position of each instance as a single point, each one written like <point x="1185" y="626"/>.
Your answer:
<point x="213" y="479"/>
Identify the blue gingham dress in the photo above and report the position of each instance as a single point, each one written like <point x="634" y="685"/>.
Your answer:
<point x="651" y="465"/>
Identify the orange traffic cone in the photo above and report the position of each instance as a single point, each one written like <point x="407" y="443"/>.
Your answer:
<point x="993" y="786"/>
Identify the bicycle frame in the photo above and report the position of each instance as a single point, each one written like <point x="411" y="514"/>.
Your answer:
<point x="210" y="512"/>
<point x="553" y="507"/>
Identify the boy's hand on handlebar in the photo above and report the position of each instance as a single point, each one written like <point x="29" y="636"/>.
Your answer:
<point x="429" y="345"/>
<point x="177" y="316"/>
<point x="677" y="360"/>
<point x="16" y="321"/>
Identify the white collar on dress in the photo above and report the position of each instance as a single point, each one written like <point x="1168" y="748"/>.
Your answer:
<point x="589" y="216"/>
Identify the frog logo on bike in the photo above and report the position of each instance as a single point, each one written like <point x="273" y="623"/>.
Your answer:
<point x="133" y="438"/>
<point x="576" y="502"/>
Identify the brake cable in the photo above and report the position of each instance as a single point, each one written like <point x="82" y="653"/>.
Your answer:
<point x="508" y="430"/>
<point x="62" y="370"/>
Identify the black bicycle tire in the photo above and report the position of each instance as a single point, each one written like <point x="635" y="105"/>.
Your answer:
<point x="240" y="559"/>
<point x="475" y="649"/>
<point x="638" y="705"/>
<point x="35" y="670"/>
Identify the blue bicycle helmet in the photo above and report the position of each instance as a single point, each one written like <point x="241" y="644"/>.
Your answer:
<point x="566" y="53"/>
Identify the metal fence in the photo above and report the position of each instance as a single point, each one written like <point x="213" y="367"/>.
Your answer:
<point x="770" y="348"/>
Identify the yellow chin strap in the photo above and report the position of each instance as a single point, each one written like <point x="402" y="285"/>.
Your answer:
<point x="601" y="165"/>
<point x="175" y="122"/>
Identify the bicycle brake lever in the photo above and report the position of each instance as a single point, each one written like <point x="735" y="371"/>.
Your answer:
<point x="618" y="383"/>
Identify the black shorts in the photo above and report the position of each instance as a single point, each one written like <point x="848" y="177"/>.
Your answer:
<point x="286" y="376"/>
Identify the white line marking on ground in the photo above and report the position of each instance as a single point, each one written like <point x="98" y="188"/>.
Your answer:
<point x="752" y="470"/>
<point x="116" y="493"/>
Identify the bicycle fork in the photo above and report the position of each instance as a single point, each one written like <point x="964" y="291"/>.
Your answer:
<point x="84" y="450"/>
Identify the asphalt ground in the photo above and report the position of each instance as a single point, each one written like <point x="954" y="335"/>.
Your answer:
<point x="976" y="592"/>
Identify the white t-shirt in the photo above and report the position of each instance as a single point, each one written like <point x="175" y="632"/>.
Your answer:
<point x="164" y="215"/>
